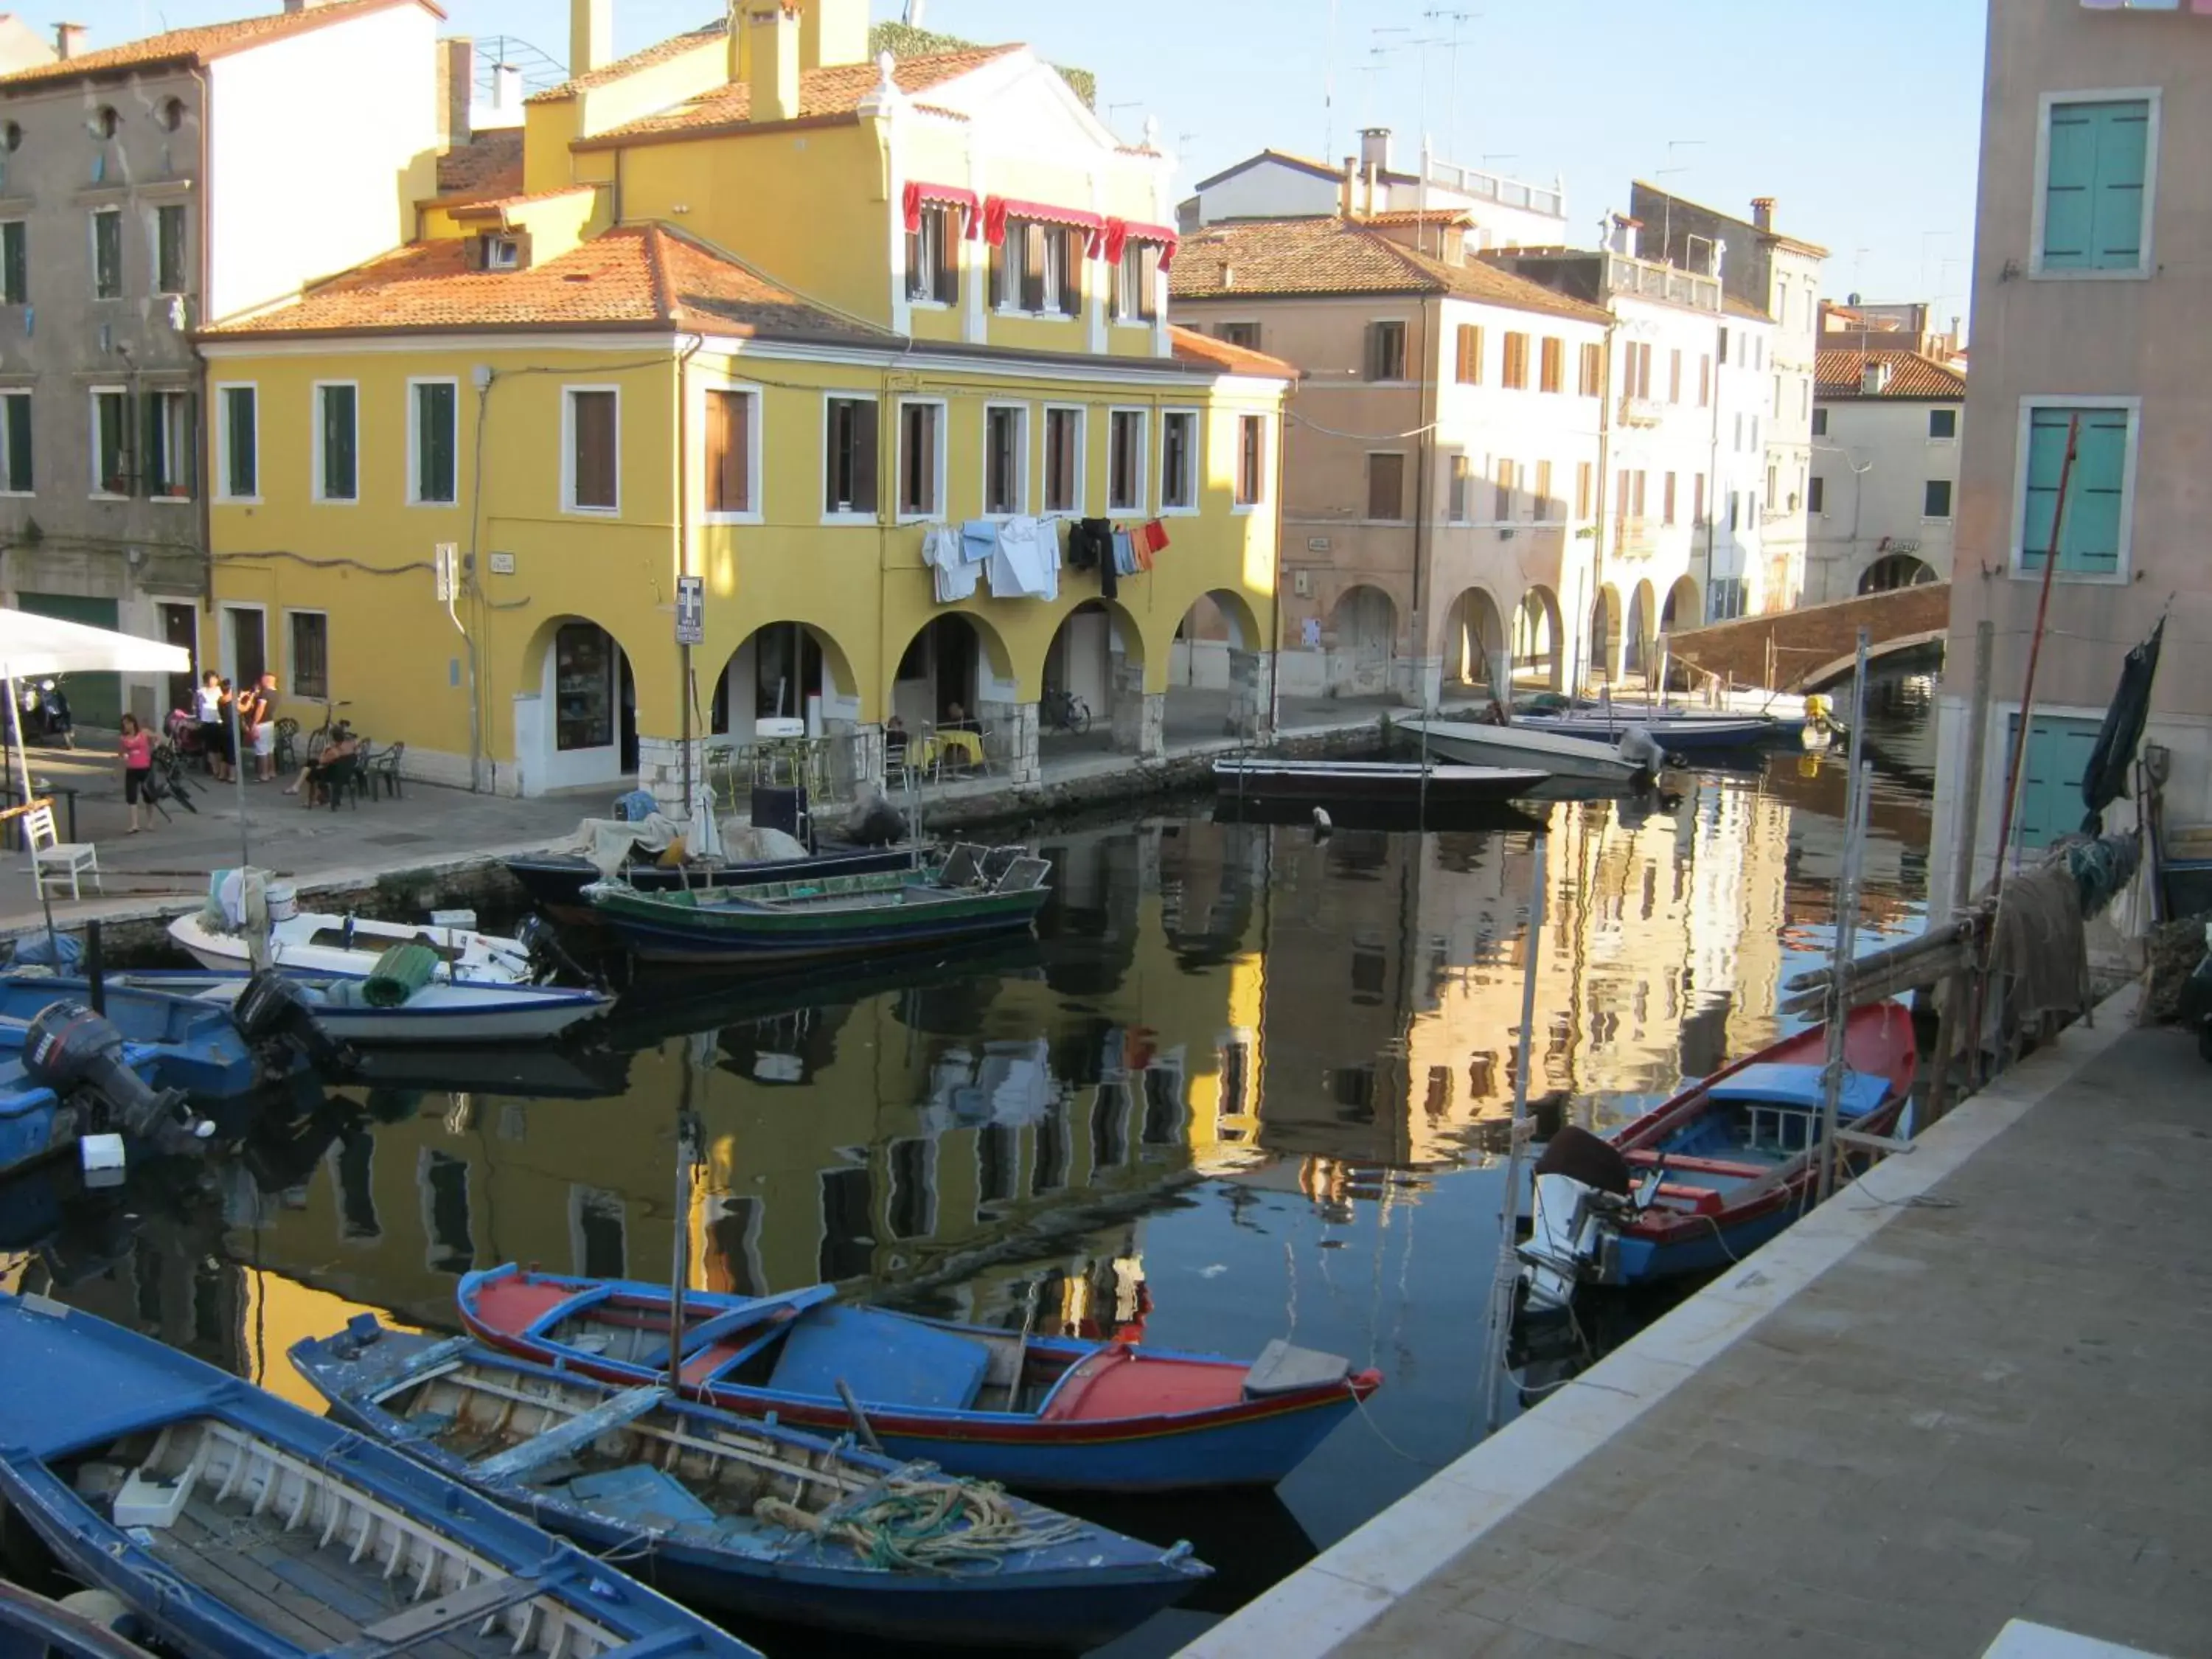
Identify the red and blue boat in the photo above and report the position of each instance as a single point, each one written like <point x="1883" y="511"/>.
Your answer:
<point x="1036" y="1411"/>
<point x="1712" y="1173"/>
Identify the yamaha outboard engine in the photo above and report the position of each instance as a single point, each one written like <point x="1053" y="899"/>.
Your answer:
<point x="271" y="1008"/>
<point x="541" y="940"/>
<point x="73" y="1051"/>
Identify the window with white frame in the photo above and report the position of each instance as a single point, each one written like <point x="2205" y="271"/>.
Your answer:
<point x="920" y="460"/>
<point x="2096" y="162"/>
<point x="1179" y="460"/>
<point x="434" y="443"/>
<point x="107" y="254"/>
<point x="2085" y="505"/>
<point x="1039" y="268"/>
<point x="1125" y="460"/>
<point x="731" y="428"/>
<point x="171" y="445"/>
<point x="932" y="255"/>
<point x="1136" y="285"/>
<point x="1006" y="455"/>
<point x="238" y="442"/>
<point x="1063" y="460"/>
<point x="337" y="441"/>
<point x="172" y="266"/>
<point x="15" y="475"/>
<point x="848" y="437"/>
<point x="310" y="661"/>
<point x="591" y="456"/>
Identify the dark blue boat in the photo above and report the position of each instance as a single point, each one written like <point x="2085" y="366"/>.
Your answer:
<point x="555" y="881"/>
<point x="238" y="1526"/>
<point x="33" y="1627"/>
<point x="736" y="1516"/>
<point x="68" y="1076"/>
<point x="191" y="1046"/>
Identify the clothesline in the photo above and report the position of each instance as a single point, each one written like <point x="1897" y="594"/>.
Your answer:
<point x="1019" y="555"/>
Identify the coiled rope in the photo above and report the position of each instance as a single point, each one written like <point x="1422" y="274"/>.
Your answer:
<point x="926" y="1526"/>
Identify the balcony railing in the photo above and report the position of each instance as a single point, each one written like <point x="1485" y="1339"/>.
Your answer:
<point x="1654" y="281"/>
<point x="1496" y="187"/>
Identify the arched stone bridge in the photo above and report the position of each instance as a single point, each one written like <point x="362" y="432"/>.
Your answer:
<point x="1816" y="644"/>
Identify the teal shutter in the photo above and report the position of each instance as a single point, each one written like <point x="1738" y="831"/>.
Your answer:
<point x="238" y="406"/>
<point x="338" y="429"/>
<point x="2093" y="204"/>
<point x="2058" y="748"/>
<point x="2096" y="495"/>
<point x="435" y="437"/>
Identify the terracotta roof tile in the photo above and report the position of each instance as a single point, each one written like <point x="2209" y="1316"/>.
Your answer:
<point x="660" y="52"/>
<point x="1330" y="255"/>
<point x="200" y="45"/>
<point x="1840" y="374"/>
<point x="1192" y="346"/>
<point x="489" y="164"/>
<point x="635" y="276"/>
<point x="834" y="89"/>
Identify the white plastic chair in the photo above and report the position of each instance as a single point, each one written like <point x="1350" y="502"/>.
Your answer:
<point x="52" y="858"/>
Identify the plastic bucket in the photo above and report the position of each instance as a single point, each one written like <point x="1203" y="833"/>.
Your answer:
<point x="283" y="901"/>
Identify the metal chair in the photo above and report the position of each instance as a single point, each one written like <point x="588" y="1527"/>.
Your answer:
<point x="288" y="746"/>
<point x="384" y="770"/>
<point x="52" y="858"/>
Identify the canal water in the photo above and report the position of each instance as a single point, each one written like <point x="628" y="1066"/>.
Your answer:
<point x="1249" y="1082"/>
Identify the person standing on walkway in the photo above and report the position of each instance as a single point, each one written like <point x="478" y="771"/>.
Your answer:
<point x="264" y="729"/>
<point x="136" y="745"/>
<point x="207" y="709"/>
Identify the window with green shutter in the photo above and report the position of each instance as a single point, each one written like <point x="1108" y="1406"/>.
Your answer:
<point x="2096" y="489"/>
<point x="338" y="437"/>
<point x="436" y="441"/>
<point x="2059" y="748"/>
<point x="2098" y="157"/>
<point x="14" y="264"/>
<point x="241" y="464"/>
<point x="16" y="442"/>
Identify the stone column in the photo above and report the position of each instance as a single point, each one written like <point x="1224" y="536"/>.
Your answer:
<point x="1014" y="729"/>
<point x="1251" y="715"/>
<point x="660" y="771"/>
<point x="1426" y="686"/>
<point x="1139" y="718"/>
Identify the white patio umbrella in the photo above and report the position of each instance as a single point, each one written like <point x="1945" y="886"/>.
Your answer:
<point x="32" y="646"/>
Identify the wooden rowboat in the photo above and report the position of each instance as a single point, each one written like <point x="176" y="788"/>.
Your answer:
<point x="1039" y="1412"/>
<point x="740" y="1516"/>
<point x="236" y="1526"/>
<point x="1712" y="1173"/>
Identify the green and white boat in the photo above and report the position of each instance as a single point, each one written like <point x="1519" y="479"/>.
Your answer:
<point x="972" y="894"/>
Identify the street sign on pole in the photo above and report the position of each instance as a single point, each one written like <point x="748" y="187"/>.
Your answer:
<point x="691" y="610"/>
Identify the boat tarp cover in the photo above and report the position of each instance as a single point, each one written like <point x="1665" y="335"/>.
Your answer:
<point x="399" y="973"/>
<point x="1800" y="1085"/>
<point x="918" y="1367"/>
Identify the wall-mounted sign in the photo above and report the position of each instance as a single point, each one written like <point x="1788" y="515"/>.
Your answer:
<point x="502" y="564"/>
<point x="691" y="610"/>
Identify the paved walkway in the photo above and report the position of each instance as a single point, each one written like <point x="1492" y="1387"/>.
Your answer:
<point x="1970" y="1392"/>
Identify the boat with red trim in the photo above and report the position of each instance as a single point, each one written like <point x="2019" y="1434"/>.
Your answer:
<point x="1712" y="1173"/>
<point x="1039" y="1412"/>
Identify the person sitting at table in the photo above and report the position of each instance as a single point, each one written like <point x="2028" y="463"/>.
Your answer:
<point x="324" y="770"/>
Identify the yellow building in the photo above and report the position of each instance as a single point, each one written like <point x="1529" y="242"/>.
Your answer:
<point x="750" y="310"/>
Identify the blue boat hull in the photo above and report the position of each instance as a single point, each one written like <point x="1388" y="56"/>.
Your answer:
<point x="31" y="1627"/>
<point x="193" y="1047"/>
<point x="1643" y="1262"/>
<point x="655" y="942"/>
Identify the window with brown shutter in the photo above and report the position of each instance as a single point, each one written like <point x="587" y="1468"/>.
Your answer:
<point x="1468" y="367"/>
<point x="1067" y="262"/>
<point x="1674" y="376"/>
<point x="1543" y="509"/>
<point x="1517" y="362"/>
<point x="729" y="451"/>
<point x="1461" y="479"/>
<point x="1667" y="500"/>
<point x="593" y="460"/>
<point x="1386" y="351"/>
<point x="918" y="460"/>
<point x="1386" y="486"/>
<point x="1635" y="495"/>
<point x="1553" y="368"/>
<point x="1005" y="452"/>
<point x="1509" y="474"/>
<point x="1063" y="460"/>
<point x="1704" y="380"/>
<point x="1034" y="260"/>
<point x="1251" y="465"/>
<point x="1698" y="499"/>
<point x="1582" y="479"/>
<point x="1591" y="382"/>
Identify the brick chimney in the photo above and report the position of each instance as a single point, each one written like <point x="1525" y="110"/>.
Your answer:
<point x="67" y="37"/>
<point x="457" y="79"/>
<point x="1762" y="212"/>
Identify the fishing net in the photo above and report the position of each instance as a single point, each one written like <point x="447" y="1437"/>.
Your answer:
<point x="926" y="1526"/>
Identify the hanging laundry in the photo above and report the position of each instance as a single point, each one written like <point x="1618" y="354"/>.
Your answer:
<point x="944" y="550"/>
<point x="1150" y="539"/>
<point x="1026" y="563"/>
<point x="1125" y="553"/>
<point x="1091" y="547"/>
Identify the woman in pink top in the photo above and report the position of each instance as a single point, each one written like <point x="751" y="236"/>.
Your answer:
<point x="136" y="747"/>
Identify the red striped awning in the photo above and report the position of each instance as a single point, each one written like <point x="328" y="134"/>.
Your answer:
<point x="1122" y="232"/>
<point x="997" y="209"/>
<point x="920" y="195"/>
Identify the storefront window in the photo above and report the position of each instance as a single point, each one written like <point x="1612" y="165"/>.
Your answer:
<point x="584" y="680"/>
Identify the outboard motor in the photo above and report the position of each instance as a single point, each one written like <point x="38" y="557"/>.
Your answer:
<point x="1641" y="750"/>
<point x="73" y="1051"/>
<point x="1582" y="1186"/>
<point x="541" y="942"/>
<point x="272" y="1009"/>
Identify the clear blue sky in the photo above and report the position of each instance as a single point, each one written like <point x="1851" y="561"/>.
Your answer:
<point x="1862" y="120"/>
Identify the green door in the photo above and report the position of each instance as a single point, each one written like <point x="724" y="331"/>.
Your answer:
<point x="94" y="699"/>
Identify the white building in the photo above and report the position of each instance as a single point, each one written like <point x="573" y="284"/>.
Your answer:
<point x="1886" y="423"/>
<point x="1735" y="568"/>
<point x="1504" y="212"/>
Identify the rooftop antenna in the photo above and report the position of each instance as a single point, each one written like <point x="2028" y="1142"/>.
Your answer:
<point x="1440" y="15"/>
<point x="1376" y="52"/>
<point x="1329" y="90"/>
<point x="1667" y="213"/>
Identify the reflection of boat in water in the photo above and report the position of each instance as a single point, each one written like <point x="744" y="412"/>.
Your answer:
<point x="736" y="1516"/>
<point x="1332" y="782"/>
<point x="1398" y="815"/>
<point x="531" y="1071"/>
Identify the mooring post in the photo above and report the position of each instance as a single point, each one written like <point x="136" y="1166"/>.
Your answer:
<point x="1960" y="889"/>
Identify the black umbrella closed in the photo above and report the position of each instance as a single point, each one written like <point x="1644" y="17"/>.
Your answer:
<point x="2104" y="780"/>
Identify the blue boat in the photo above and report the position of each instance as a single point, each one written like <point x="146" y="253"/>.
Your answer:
<point x="34" y="1627"/>
<point x="193" y="1047"/>
<point x="1706" y="1177"/>
<point x="733" y="1516"/>
<point x="1048" y="1413"/>
<point x="69" y="1075"/>
<point x="236" y="1526"/>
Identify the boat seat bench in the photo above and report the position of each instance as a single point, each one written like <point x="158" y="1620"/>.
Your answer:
<point x="1645" y="1158"/>
<point x="929" y="1369"/>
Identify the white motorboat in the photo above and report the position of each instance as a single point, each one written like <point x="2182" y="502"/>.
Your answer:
<point x="1470" y="742"/>
<point x="221" y="935"/>
<point x="436" y="1013"/>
